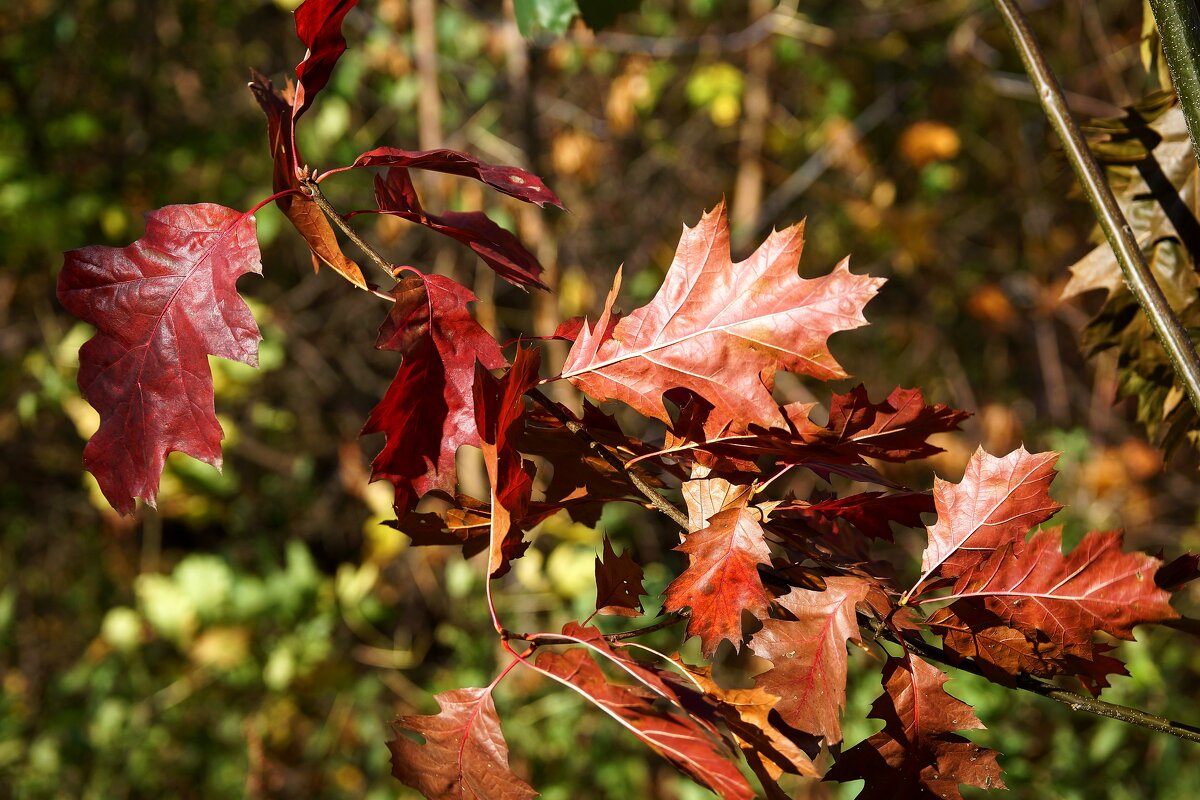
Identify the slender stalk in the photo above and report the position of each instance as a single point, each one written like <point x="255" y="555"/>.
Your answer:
<point x="314" y="193"/>
<point x="1120" y="236"/>
<point x="1179" y="27"/>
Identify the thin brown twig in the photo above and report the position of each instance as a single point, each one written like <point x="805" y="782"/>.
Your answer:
<point x="314" y="193"/>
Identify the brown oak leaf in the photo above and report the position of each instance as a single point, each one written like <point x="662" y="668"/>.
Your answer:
<point x="618" y="583"/>
<point x="464" y="756"/>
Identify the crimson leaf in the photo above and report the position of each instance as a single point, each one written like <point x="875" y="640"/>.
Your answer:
<point x="319" y="26"/>
<point x="161" y="306"/>
<point x="427" y="412"/>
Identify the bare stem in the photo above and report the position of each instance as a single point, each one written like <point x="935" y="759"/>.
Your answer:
<point x="1112" y="221"/>
<point x="314" y="193"/>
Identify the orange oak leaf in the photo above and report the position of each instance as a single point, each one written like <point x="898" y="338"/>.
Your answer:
<point x="161" y="306"/>
<point x="499" y="405"/>
<point x="428" y="410"/>
<point x="1096" y="587"/>
<point x="771" y="746"/>
<point x="995" y="505"/>
<point x="690" y="747"/>
<point x="721" y="329"/>
<point x="618" y="583"/>
<point x="722" y="580"/>
<point x="464" y="756"/>
<point x="303" y="213"/>
<point x="918" y="755"/>
<point x="809" y="655"/>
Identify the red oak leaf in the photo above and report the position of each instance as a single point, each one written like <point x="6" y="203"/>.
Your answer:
<point x="618" y="583"/>
<point x="303" y="213"/>
<point x="692" y="748"/>
<point x="161" y="306"/>
<point x="918" y="755"/>
<point x="1096" y="587"/>
<point x="722" y="330"/>
<point x="809" y="655"/>
<point x="464" y="756"/>
<point x="499" y="249"/>
<point x="511" y="181"/>
<point x="428" y="411"/>
<point x="995" y="504"/>
<point x="499" y="406"/>
<point x="722" y="580"/>
<point x="319" y="26"/>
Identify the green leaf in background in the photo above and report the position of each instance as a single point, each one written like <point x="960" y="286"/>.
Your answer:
<point x="551" y="16"/>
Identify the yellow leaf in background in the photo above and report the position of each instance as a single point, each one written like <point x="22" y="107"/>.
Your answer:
<point x="927" y="141"/>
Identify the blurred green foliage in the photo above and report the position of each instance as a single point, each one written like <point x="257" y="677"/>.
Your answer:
<point x="255" y="635"/>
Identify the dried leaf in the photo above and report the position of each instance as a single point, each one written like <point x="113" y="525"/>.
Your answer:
<point x="464" y="756"/>
<point x="618" y="583"/>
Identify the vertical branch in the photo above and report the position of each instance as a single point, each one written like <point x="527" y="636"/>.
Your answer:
<point x="1179" y="28"/>
<point x="1120" y="236"/>
<point x="429" y="100"/>
<point x="748" y="186"/>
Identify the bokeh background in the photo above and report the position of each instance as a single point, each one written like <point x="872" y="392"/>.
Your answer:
<point x="256" y="634"/>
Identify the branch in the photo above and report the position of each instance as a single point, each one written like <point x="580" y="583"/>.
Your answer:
<point x="620" y="636"/>
<point x="1179" y="29"/>
<point x="1029" y="683"/>
<point x="1120" y="236"/>
<point x="310" y="188"/>
<point x="576" y="427"/>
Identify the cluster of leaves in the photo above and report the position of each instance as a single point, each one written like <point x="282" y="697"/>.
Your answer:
<point x="1148" y="158"/>
<point x="700" y="359"/>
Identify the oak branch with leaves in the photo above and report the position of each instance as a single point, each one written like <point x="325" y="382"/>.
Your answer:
<point x="701" y="359"/>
